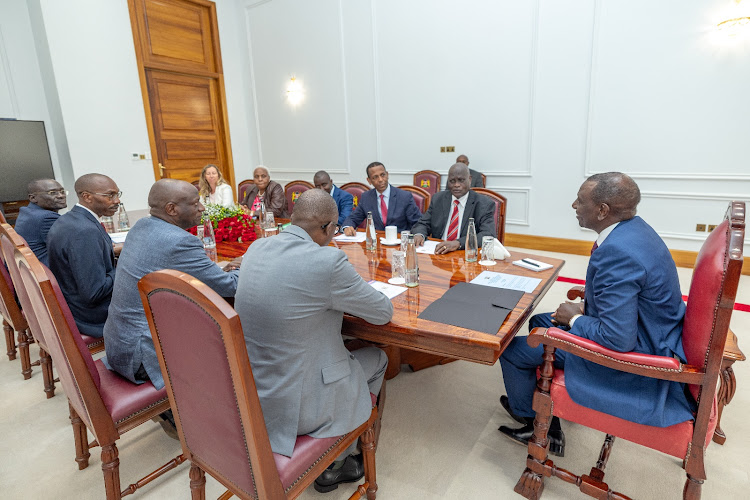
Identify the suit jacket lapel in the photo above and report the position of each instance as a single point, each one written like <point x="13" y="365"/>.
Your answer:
<point x="441" y="216"/>
<point x="468" y="212"/>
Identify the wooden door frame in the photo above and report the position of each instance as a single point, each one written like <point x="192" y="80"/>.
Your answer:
<point x="139" y="33"/>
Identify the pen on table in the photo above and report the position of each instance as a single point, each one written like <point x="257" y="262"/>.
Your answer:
<point x="530" y="263"/>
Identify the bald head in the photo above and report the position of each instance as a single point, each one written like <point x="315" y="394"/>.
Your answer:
<point x="323" y="181"/>
<point x="313" y="209"/>
<point x="459" y="180"/>
<point x="98" y="193"/>
<point x="92" y="183"/>
<point x="463" y="159"/>
<point x="176" y="202"/>
<point x="618" y="191"/>
<point x="47" y="194"/>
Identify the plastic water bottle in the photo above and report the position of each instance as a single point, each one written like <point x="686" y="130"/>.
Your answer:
<point x="262" y="215"/>
<point x="472" y="247"/>
<point x="209" y="241"/>
<point x="123" y="223"/>
<point x="371" y="241"/>
<point x="411" y="267"/>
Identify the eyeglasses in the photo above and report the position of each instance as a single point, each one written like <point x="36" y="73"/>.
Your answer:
<point x="111" y="196"/>
<point x="325" y="226"/>
<point x="53" y="192"/>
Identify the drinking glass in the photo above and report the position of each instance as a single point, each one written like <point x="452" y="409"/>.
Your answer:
<point x="488" y="251"/>
<point x="398" y="263"/>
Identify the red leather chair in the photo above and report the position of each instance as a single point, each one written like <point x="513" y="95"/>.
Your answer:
<point x="421" y="196"/>
<point x="292" y="191"/>
<point x="242" y="189"/>
<point x="13" y="319"/>
<point x="429" y="180"/>
<point x="356" y="189"/>
<point x="501" y="204"/>
<point x="9" y="240"/>
<point x="709" y="309"/>
<point x="215" y="401"/>
<point x="100" y="400"/>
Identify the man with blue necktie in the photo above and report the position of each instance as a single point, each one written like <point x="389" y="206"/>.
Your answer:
<point x="633" y="304"/>
<point x="344" y="201"/>
<point x="389" y="205"/>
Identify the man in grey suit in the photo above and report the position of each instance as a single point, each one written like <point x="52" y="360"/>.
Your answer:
<point x="450" y="211"/>
<point x="476" y="177"/>
<point x="154" y="243"/>
<point x="291" y="303"/>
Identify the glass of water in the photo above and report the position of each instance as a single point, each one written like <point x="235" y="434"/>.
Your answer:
<point x="488" y="251"/>
<point x="398" y="263"/>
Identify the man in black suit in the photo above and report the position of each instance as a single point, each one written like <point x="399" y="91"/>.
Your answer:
<point x="476" y="177"/>
<point x="449" y="213"/>
<point x="46" y="198"/>
<point x="81" y="255"/>
<point x="389" y="205"/>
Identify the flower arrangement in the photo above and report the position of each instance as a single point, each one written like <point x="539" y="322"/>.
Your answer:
<point x="229" y="223"/>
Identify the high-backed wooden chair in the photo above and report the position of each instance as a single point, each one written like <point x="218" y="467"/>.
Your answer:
<point x="13" y="319"/>
<point x="100" y="400"/>
<point x="501" y="205"/>
<point x="242" y="189"/>
<point x="421" y="196"/>
<point x="429" y="180"/>
<point x="484" y="179"/>
<point x="215" y="401"/>
<point x="293" y="189"/>
<point x="9" y="240"/>
<point x="709" y="308"/>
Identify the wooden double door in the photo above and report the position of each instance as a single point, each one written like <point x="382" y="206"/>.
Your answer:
<point x="179" y="63"/>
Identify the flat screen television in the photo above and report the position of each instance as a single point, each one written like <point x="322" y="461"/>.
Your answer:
<point x="24" y="156"/>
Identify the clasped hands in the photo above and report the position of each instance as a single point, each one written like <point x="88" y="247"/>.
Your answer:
<point x="566" y="311"/>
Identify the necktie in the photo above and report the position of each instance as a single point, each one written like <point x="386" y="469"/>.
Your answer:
<point x="453" y="224"/>
<point x="383" y="209"/>
<point x="596" y="245"/>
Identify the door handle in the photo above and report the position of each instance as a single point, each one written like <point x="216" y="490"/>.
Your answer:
<point x="161" y="170"/>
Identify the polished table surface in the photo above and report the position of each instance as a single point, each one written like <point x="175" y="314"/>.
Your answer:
<point x="437" y="273"/>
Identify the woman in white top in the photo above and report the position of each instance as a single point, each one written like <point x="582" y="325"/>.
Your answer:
<point x="213" y="188"/>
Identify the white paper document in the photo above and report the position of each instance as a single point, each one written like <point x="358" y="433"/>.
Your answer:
<point x="387" y="289"/>
<point x="118" y="237"/>
<point x="357" y="238"/>
<point x="533" y="265"/>
<point x="510" y="281"/>
<point x="428" y="247"/>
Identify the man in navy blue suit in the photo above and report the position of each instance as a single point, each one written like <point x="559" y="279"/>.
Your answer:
<point x="81" y="255"/>
<point x="46" y="198"/>
<point x="344" y="201"/>
<point x="633" y="303"/>
<point x="389" y="205"/>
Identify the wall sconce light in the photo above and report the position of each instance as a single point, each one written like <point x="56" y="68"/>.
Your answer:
<point x="739" y="22"/>
<point x="294" y="92"/>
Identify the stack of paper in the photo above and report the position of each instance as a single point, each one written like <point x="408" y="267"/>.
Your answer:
<point x="533" y="265"/>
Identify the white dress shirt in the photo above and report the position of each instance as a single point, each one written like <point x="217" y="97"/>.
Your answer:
<point x="461" y="206"/>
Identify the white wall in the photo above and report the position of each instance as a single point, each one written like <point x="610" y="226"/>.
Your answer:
<point x="539" y="94"/>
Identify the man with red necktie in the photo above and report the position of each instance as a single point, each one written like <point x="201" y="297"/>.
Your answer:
<point x="390" y="206"/>
<point x="450" y="211"/>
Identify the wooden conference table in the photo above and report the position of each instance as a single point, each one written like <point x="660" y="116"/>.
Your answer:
<point x="437" y="273"/>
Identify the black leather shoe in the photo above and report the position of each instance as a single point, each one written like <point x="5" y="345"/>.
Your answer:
<point x="523" y="434"/>
<point x="506" y="405"/>
<point x="353" y="470"/>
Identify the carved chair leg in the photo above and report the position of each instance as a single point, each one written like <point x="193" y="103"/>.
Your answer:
<point x="111" y="469"/>
<point x="597" y="473"/>
<point x="80" y="438"/>
<point x="47" y="373"/>
<point x="10" y="341"/>
<point x="727" y="387"/>
<point x="23" y="348"/>
<point x="381" y="407"/>
<point x="367" y="443"/>
<point x="197" y="483"/>
<point x="531" y="482"/>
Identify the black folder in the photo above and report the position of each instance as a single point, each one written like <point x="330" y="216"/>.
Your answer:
<point x="476" y="307"/>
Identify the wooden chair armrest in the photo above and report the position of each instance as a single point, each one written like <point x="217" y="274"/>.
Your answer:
<point x="576" y="292"/>
<point x="648" y="365"/>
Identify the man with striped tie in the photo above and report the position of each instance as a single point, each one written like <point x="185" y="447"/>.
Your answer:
<point x="450" y="211"/>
